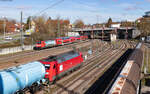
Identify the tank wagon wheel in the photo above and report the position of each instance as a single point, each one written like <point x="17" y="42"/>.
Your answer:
<point x="36" y="87"/>
<point x="47" y="89"/>
<point x="20" y="92"/>
<point x="33" y="89"/>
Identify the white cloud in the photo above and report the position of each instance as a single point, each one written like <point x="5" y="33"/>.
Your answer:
<point x="74" y="10"/>
<point x="130" y="7"/>
<point x="23" y="7"/>
<point x="147" y="0"/>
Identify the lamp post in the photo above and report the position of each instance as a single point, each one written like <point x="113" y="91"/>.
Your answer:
<point x="4" y="26"/>
<point x="21" y="36"/>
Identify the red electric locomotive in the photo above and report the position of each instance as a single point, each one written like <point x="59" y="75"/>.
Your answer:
<point x="52" y="43"/>
<point x="57" y="66"/>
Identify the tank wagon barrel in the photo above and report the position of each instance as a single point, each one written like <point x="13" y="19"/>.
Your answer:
<point x="17" y="78"/>
<point x="129" y="78"/>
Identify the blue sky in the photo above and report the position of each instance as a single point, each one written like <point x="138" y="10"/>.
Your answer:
<point x="90" y="11"/>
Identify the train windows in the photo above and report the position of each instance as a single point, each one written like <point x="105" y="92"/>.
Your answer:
<point x="70" y="55"/>
<point x="60" y="59"/>
<point x="50" y="59"/>
<point x="54" y="66"/>
<point x="47" y="66"/>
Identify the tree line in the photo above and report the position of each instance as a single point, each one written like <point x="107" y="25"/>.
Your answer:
<point x="48" y="28"/>
<point x="7" y="24"/>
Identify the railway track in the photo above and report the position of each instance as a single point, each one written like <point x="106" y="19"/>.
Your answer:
<point x="90" y="68"/>
<point x="4" y="58"/>
<point x="104" y="83"/>
<point x="23" y="58"/>
<point x="78" y="85"/>
<point x="74" y="81"/>
<point x="100" y="86"/>
<point x="90" y="59"/>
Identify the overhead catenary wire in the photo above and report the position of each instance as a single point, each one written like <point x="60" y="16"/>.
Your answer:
<point x="84" y="4"/>
<point x="51" y="6"/>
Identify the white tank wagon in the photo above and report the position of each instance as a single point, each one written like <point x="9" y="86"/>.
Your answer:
<point x="16" y="79"/>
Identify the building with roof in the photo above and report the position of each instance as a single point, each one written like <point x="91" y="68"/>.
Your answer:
<point x="145" y="17"/>
<point x="147" y="14"/>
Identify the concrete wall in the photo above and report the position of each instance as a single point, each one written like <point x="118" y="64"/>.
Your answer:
<point x="135" y="33"/>
<point x="15" y="49"/>
<point x="115" y="25"/>
<point x="113" y="37"/>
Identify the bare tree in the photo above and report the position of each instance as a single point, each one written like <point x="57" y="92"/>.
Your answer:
<point x="48" y="28"/>
<point x="127" y="24"/>
<point x="108" y="24"/>
<point x="144" y="26"/>
<point x="79" y="23"/>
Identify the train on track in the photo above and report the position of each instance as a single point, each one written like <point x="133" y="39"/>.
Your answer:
<point x="58" y="41"/>
<point x="36" y="74"/>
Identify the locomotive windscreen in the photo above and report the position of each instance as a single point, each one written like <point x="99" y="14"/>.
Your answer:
<point x="67" y="56"/>
<point x="50" y="59"/>
<point x="62" y="57"/>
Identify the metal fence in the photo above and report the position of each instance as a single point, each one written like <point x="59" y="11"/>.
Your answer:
<point x="15" y="49"/>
